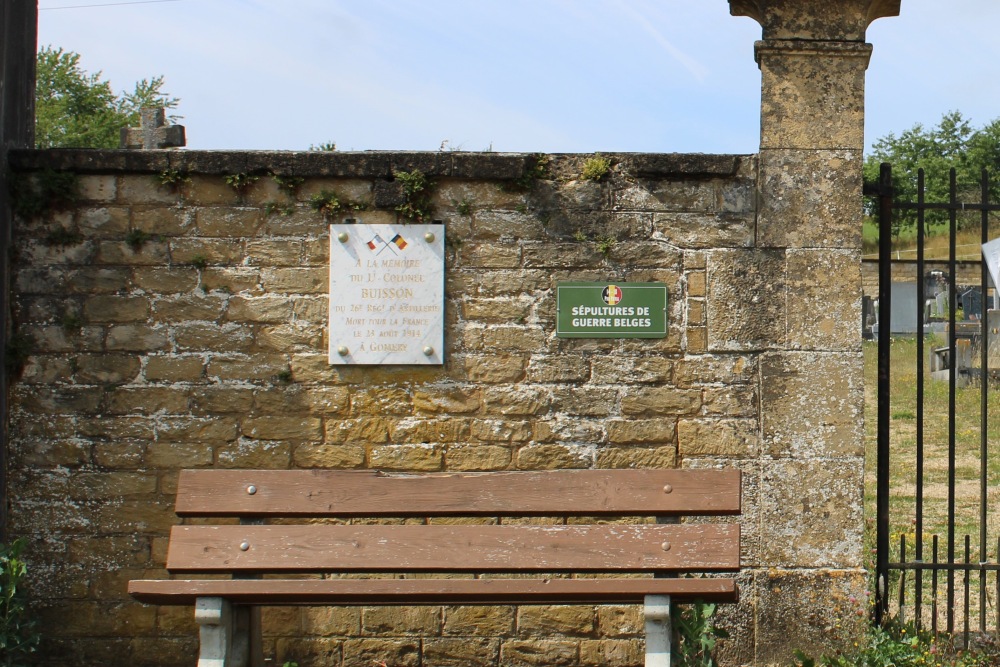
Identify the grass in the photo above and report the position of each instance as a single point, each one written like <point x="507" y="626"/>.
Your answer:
<point x="903" y="384"/>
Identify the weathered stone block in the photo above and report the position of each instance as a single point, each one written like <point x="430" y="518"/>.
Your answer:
<point x="166" y="280"/>
<point x="501" y="430"/>
<point x="254" y="454"/>
<point x="429" y="430"/>
<point x="821" y="316"/>
<point x="702" y="230"/>
<point x="728" y="369"/>
<point x="215" y="399"/>
<point x="401" y="621"/>
<point x="97" y="188"/>
<point x="548" y="369"/>
<point x="811" y="404"/>
<point x="336" y="457"/>
<point x="721" y="438"/>
<point x="521" y="400"/>
<point x="568" y="430"/>
<point x="186" y="307"/>
<point x="274" y="252"/>
<point x="813" y="515"/>
<point x="652" y="401"/>
<point x="478" y="457"/>
<point x="641" y="431"/>
<point x="206" y="336"/>
<point x="618" y="652"/>
<point x="260" y="368"/>
<point x="302" y="399"/>
<point x="191" y="250"/>
<point x="228" y="222"/>
<point x="551" y="457"/>
<point x="464" y="652"/>
<point x="148" y="400"/>
<point x="584" y="401"/>
<point x="109" y="222"/>
<point x="447" y="400"/>
<point x="137" y="338"/>
<point x="539" y="653"/>
<point x="298" y="280"/>
<point x="746" y="304"/>
<point x="177" y="455"/>
<point x="282" y="428"/>
<point x="174" y="368"/>
<point x="555" y="619"/>
<point x="495" y="370"/>
<point x="631" y="370"/>
<point x="496" y="310"/>
<point x="162" y="221"/>
<point x="620" y="620"/>
<point x="368" y="652"/>
<point x="418" y="457"/>
<point x="331" y="621"/>
<point x="151" y="253"/>
<point x="116" y="309"/>
<point x="812" y="93"/>
<point x="818" y="612"/>
<point x="811" y="199"/>
<point x="365" y="429"/>
<point x="491" y="256"/>
<point x="738" y="401"/>
<point x="636" y="457"/>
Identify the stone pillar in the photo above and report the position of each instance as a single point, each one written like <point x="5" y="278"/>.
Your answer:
<point x="809" y="582"/>
<point x="18" y="37"/>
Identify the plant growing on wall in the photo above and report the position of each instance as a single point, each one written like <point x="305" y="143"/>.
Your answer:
<point x="695" y="635"/>
<point x="417" y="190"/>
<point x="18" y="638"/>
<point x="595" y="168"/>
<point x="241" y="182"/>
<point x="173" y="179"/>
<point x="326" y="203"/>
<point x="40" y="192"/>
<point x="288" y="184"/>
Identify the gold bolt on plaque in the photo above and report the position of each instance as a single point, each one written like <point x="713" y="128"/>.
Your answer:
<point x="342" y="350"/>
<point x="429" y="237"/>
<point x="665" y="546"/>
<point x="244" y="546"/>
<point x="342" y="237"/>
<point x="667" y="488"/>
<point x="428" y="351"/>
<point x="251" y="490"/>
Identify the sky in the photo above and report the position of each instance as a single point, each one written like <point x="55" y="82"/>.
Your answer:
<point x="576" y="76"/>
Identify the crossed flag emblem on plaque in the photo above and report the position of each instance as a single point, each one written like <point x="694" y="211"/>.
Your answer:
<point x="378" y="244"/>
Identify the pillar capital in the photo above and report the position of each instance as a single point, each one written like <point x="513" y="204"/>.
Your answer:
<point x="827" y="20"/>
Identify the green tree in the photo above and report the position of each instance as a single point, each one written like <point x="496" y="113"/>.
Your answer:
<point x="74" y="109"/>
<point x="952" y="144"/>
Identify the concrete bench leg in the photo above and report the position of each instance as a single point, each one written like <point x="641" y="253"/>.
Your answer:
<point x="224" y="633"/>
<point x="658" y="630"/>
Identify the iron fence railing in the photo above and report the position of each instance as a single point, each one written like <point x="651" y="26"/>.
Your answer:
<point x="928" y="578"/>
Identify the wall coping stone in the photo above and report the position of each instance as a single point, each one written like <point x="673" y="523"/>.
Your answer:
<point x="367" y="164"/>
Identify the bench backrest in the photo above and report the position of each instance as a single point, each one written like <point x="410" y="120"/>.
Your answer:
<point x="573" y="547"/>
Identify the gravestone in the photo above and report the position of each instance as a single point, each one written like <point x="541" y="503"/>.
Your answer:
<point x="153" y="132"/>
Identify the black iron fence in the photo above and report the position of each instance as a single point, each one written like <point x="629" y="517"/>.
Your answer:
<point x="937" y="471"/>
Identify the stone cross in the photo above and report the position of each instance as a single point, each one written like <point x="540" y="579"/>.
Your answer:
<point x="154" y="132"/>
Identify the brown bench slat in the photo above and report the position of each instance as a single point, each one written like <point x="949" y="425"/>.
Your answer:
<point x="446" y="548"/>
<point x="431" y="591"/>
<point x="374" y="494"/>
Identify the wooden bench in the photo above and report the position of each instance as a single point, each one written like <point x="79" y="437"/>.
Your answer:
<point x="560" y="555"/>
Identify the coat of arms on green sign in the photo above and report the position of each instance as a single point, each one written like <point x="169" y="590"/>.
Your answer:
<point x="611" y="310"/>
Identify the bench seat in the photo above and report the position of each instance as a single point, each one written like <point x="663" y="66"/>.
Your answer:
<point x="365" y="538"/>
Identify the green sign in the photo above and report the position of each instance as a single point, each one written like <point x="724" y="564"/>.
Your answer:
<point x="611" y="310"/>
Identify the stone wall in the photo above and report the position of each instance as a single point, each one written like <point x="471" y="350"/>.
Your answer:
<point x="174" y="327"/>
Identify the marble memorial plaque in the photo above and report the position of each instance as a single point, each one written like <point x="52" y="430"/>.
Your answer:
<point x="386" y="294"/>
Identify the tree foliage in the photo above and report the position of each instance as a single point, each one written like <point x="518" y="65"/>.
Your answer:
<point x="953" y="144"/>
<point x="74" y="109"/>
